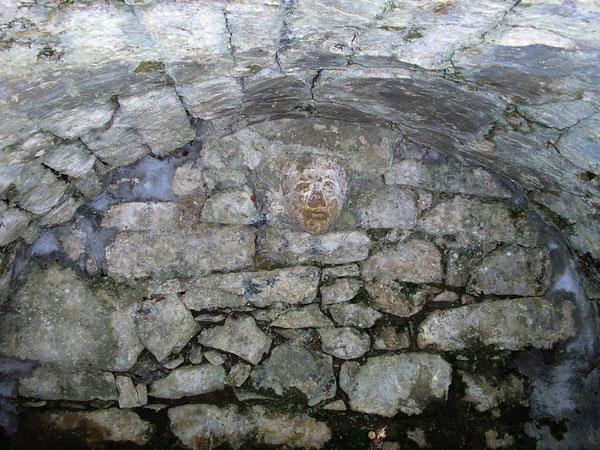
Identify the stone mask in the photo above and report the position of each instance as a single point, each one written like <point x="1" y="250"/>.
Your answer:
<point x="314" y="193"/>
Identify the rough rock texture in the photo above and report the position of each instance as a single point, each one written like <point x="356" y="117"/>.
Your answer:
<point x="306" y="317"/>
<point x="341" y="290"/>
<point x="59" y="318"/>
<point x="486" y="393"/>
<point x="389" y="338"/>
<point x="198" y="426"/>
<point x="506" y="324"/>
<point x="393" y="298"/>
<point x="292" y="366"/>
<point x="257" y="289"/>
<point x="344" y="343"/>
<point x="137" y="216"/>
<point x="189" y="381"/>
<point x="239" y="336"/>
<point x="385" y="385"/>
<point x="390" y="207"/>
<point x="233" y="207"/>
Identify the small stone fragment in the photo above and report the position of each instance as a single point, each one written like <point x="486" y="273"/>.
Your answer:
<point x="128" y="394"/>
<point x="304" y="317"/>
<point x="342" y="290"/>
<point x="388" y="338"/>
<point x="487" y="393"/>
<point x="344" y="343"/>
<point x="174" y="363"/>
<point x="188" y="180"/>
<point x="445" y="297"/>
<point x="189" y="381"/>
<point x="417" y="435"/>
<point x="396" y="299"/>
<point x="215" y="358"/>
<point x="195" y="356"/>
<point x="348" y="270"/>
<point x="493" y="442"/>
<point x="354" y="315"/>
<point x="338" y="405"/>
<point x="73" y="244"/>
<point x="238" y="374"/>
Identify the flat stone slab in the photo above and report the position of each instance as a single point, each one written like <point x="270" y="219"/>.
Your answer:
<point x="137" y="216"/>
<point x="345" y="342"/>
<point x="306" y="317"/>
<point x="396" y="299"/>
<point x="239" y="336"/>
<point x="414" y="261"/>
<point x="256" y="289"/>
<point x="342" y="290"/>
<point x="513" y="270"/>
<point x="354" y="315"/>
<point x="209" y="426"/>
<point x="506" y="324"/>
<point x="189" y="381"/>
<point x="387" y="384"/>
<point x="290" y="247"/>
<point x="60" y="318"/>
<point x="292" y="366"/>
<point x="193" y="253"/>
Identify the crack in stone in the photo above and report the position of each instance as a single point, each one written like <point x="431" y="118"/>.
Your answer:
<point x="231" y="46"/>
<point x="314" y="82"/>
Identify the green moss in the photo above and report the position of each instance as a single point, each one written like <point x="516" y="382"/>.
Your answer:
<point x="364" y="297"/>
<point x="391" y="28"/>
<point x="559" y="221"/>
<point x="517" y="214"/>
<point x="408" y="289"/>
<point x="254" y="68"/>
<point x="413" y="33"/>
<point x="150" y="67"/>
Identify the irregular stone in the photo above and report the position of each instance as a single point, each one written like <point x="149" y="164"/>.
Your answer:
<point x="239" y="336"/>
<point x="73" y="160"/>
<point x="305" y="336"/>
<point x="291" y="366"/>
<point x="506" y="324"/>
<point x="344" y="343"/>
<point x="174" y="363"/>
<point x="342" y="290"/>
<point x="244" y="396"/>
<point x="354" y="315"/>
<point x="163" y="255"/>
<point x="96" y="428"/>
<point x="164" y="325"/>
<point x="188" y="180"/>
<point x="460" y="264"/>
<point x="213" y="318"/>
<point x="142" y="394"/>
<point x="445" y="297"/>
<point x="198" y="426"/>
<point x="128" y="393"/>
<point x="50" y="382"/>
<point x="189" y="381"/>
<point x="493" y="441"/>
<point x="13" y="222"/>
<point x="418" y="436"/>
<point x="414" y="261"/>
<point x="513" y="271"/>
<point x="389" y="338"/>
<point x="256" y="289"/>
<point x="394" y="298"/>
<point x="238" y="374"/>
<point x="66" y="320"/>
<point x="314" y="192"/>
<point x="585" y="237"/>
<point x="390" y="207"/>
<point x="73" y="243"/>
<point x="137" y="216"/>
<point x="61" y="213"/>
<point x="305" y="317"/>
<point x="215" y="358"/>
<point x="348" y="270"/>
<point x="579" y="144"/>
<point x="338" y="405"/>
<point x="196" y="356"/>
<point x="233" y="207"/>
<point x="387" y="384"/>
<point x="37" y="190"/>
<point x="487" y="393"/>
<point x="287" y="247"/>
<point x="271" y="313"/>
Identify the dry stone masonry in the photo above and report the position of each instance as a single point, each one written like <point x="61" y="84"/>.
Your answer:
<point x="286" y="223"/>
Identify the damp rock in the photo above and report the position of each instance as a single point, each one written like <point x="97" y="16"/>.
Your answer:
<point x="238" y="374"/>
<point x="314" y="192"/>
<point x="164" y="325"/>
<point x="305" y="317"/>
<point x="189" y="381"/>
<point x="345" y="342"/>
<point x="387" y="384"/>
<point x="233" y="207"/>
<point x="342" y="290"/>
<point x="257" y="289"/>
<point x="292" y="366"/>
<point x="390" y="338"/>
<point x="290" y="247"/>
<point x="414" y="261"/>
<point x="486" y="393"/>
<point x="354" y="315"/>
<point x="239" y="336"/>
<point x="396" y="299"/>
<point x="203" y="426"/>
<point x="513" y="270"/>
<point x="506" y="324"/>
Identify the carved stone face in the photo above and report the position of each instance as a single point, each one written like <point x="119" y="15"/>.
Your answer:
<point x="314" y="193"/>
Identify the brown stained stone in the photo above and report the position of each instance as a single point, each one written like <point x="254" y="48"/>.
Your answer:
<point x="314" y="193"/>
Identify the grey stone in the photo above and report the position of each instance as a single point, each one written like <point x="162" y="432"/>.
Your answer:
<point x="50" y="382"/>
<point x="342" y="290"/>
<point x="189" y="381"/>
<point x="559" y="114"/>
<point x="173" y="363"/>
<point x="579" y="144"/>
<point x="75" y="122"/>
<point x="73" y="243"/>
<point x="415" y="261"/>
<point x="271" y="313"/>
<point x="390" y="207"/>
<point x="585" y="237"/>
<point x="137" y="216"/>
<point x="73" y="160"/>
<point x="164" y="325"/>
<point x="202" y="425"/>
<point x="239" y="336"/>
<point x="513" y="271"/>
<point x="354" y="315"/>
<point x="494" y="441"/>
<point x="505" y="324"/>
<point x="100" y="427"/>
<point x="213" y="98"/>
<point x="212" y="318"/>
<point x="393" y="298"/>
<point x="257" y="289"/>
<point x="215" y="358"/>
<point x="37" y="190"/>
<point x="14" y="221"/>
<point x="288" y="247"/>
<point x="196" y="356"/>
<point x="347" y="270"/>
<point x="238" y="374"/>
<point x="65" y="320"/>
<point x="389" y="338"/>
<point x="487" y="393"/>
<point x="129" y="395"/>
<point x="305" y="336"/>
<point x="344" y="343"/>
<point x="233" y="207"/>
<point x="188" y="180"/>
<point x="292" y="366"/>
<point x="337" y="405"/>
<point x="303" y="317"/>
<point x="387" y="384"/>
<point x="61" y="213"/>
<point x="164" y="255"/>
<point x="445" y="297"/>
